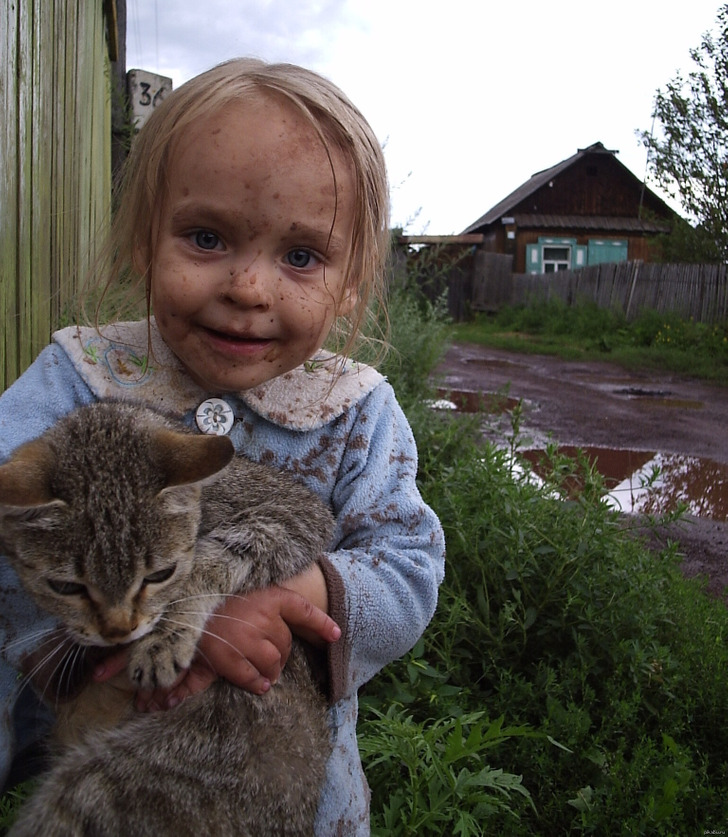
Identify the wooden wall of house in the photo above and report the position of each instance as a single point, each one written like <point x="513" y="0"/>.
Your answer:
<point x="595" y="185"/>
<point x="639" y="246"/>
<point x="55" y="150"/>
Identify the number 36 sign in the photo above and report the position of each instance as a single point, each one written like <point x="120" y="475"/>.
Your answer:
<point x="146" y="91"/>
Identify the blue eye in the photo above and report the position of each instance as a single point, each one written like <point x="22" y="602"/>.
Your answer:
<point x="299" y="258"/>
<point x="206" y="240"/>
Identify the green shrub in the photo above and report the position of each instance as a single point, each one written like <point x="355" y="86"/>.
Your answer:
<point x="602" y="667"/>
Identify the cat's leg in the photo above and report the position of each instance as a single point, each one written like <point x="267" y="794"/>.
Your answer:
<point x="157" y="659"/>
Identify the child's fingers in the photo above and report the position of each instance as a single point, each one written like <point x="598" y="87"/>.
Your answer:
<point x="308" y="621"/>
<point x="247" y="654"/>
<point x="111" y="666"/>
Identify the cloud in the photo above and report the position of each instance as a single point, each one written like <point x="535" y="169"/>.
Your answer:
<point x="469" y="99"/>
<point x="181" y="39"/>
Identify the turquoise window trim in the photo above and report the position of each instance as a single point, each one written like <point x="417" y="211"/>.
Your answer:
<point x="595" y="251"/>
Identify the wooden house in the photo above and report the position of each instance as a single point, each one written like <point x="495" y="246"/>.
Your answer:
<point x="586" y="210"/>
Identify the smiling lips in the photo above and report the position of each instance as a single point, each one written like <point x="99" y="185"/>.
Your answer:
<point x="238" y="341"/>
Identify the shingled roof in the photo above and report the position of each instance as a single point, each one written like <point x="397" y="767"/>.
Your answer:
<point x="541" y="178"/>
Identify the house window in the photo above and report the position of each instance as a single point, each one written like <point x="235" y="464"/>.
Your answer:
<point x="556" y="258"/>
<point x="550" y="255"/>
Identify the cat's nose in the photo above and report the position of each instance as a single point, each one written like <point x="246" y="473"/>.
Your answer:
<point x="117" y="625"/>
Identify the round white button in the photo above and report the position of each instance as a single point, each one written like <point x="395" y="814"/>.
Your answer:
<point x="215" y="417"/>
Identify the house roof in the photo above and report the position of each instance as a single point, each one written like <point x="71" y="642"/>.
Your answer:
<point x="589" y="222"/>
<point x="541" y="178"/>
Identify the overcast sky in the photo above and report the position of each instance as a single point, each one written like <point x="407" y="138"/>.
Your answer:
<point x="468" y="97"/>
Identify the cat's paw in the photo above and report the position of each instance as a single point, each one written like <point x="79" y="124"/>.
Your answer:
<point x="157" y="661"/>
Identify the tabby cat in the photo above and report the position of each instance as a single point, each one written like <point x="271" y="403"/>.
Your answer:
<point x="129" y="528"/>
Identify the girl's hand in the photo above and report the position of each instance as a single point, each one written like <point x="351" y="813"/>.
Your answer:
<point x="247" y="641"/>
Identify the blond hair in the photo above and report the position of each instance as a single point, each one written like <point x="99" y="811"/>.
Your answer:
<point x="339" y="124"/>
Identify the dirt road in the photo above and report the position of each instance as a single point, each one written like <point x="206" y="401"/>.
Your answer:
<point x="601" y="404"/>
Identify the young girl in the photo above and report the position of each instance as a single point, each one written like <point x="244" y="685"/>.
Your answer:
<point x="254" y="214"/>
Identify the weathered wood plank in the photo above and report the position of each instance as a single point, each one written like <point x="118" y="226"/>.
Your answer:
<point x="55" y="144"/>
<point x="9" y="216"/>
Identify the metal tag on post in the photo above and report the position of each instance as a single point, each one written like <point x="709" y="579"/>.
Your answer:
<point x="146" y="91"/>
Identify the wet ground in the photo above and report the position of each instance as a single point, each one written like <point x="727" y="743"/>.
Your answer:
<point x="630" y="422"/>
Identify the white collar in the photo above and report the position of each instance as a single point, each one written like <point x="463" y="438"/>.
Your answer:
<point x="116" y="362"/>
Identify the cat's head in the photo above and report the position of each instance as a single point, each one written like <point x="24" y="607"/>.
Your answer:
<point x="99" y="517"/>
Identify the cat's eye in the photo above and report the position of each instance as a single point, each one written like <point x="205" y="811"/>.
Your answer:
<point x="160" y="575"/>
<point x="66" y="588"/>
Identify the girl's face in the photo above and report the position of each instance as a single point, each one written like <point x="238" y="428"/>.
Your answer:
<point x="252" y="243"/>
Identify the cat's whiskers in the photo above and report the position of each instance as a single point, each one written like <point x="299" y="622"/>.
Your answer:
<point x="207" y="632"/>
<point x="69" y="661"/>
<point x="213" y="595"/>
<point x="214" y="635"/>
<point x="31" y="637"/>
<point x="67" y="649"/>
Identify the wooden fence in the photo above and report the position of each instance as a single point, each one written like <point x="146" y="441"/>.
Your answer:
<point x="697" y="291"/>
<point x="55" y="141"/>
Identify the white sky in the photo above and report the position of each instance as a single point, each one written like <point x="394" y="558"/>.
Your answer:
<point x="469" y="97"/>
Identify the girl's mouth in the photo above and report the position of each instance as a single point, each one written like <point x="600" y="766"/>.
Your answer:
<point x="237" y="341"/>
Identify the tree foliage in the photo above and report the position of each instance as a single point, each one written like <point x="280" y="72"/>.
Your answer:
<point x="688" y="146"/>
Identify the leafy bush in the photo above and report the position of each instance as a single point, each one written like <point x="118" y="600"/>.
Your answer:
<point x="599" y="669"/>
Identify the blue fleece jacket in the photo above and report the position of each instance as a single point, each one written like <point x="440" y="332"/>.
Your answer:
<point x="337" y="429"/>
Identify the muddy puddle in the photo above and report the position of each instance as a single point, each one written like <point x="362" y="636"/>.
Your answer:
<point x="638" y="481"/>
<point x="469" y="401"/>
<point x="651" y="482"/>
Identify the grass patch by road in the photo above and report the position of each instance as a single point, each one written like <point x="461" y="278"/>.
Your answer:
<point x="586" y="332"/>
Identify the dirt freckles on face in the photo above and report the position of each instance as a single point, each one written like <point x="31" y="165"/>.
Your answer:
<point x="598" y="405"/>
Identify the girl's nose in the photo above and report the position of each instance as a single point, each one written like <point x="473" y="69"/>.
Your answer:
<point x="250" y="286"/>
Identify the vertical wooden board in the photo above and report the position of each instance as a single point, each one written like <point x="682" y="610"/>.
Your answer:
<point x="710" y="296"/>
<point x="74" y="135"/>
<point x="59" y="102"/>
<point x="100" y="151"/>
<point x="85" y="71"/>
<point x="67" y="120"/>
<point x="721" y="314"/>
<point x="40" y="286"/>
<point x="9" y="36"/>
<point x="625" y="290"/>
<point x="22" y="322"/>
<point x="641" y="282"/>
<point x="30" y="113"/>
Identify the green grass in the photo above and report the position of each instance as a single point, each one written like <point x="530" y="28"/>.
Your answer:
<point x="585" y="332"/>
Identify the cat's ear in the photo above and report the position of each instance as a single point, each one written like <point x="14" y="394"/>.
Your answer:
<point x="25" y="479"/>
<point x="184" y="458"/>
